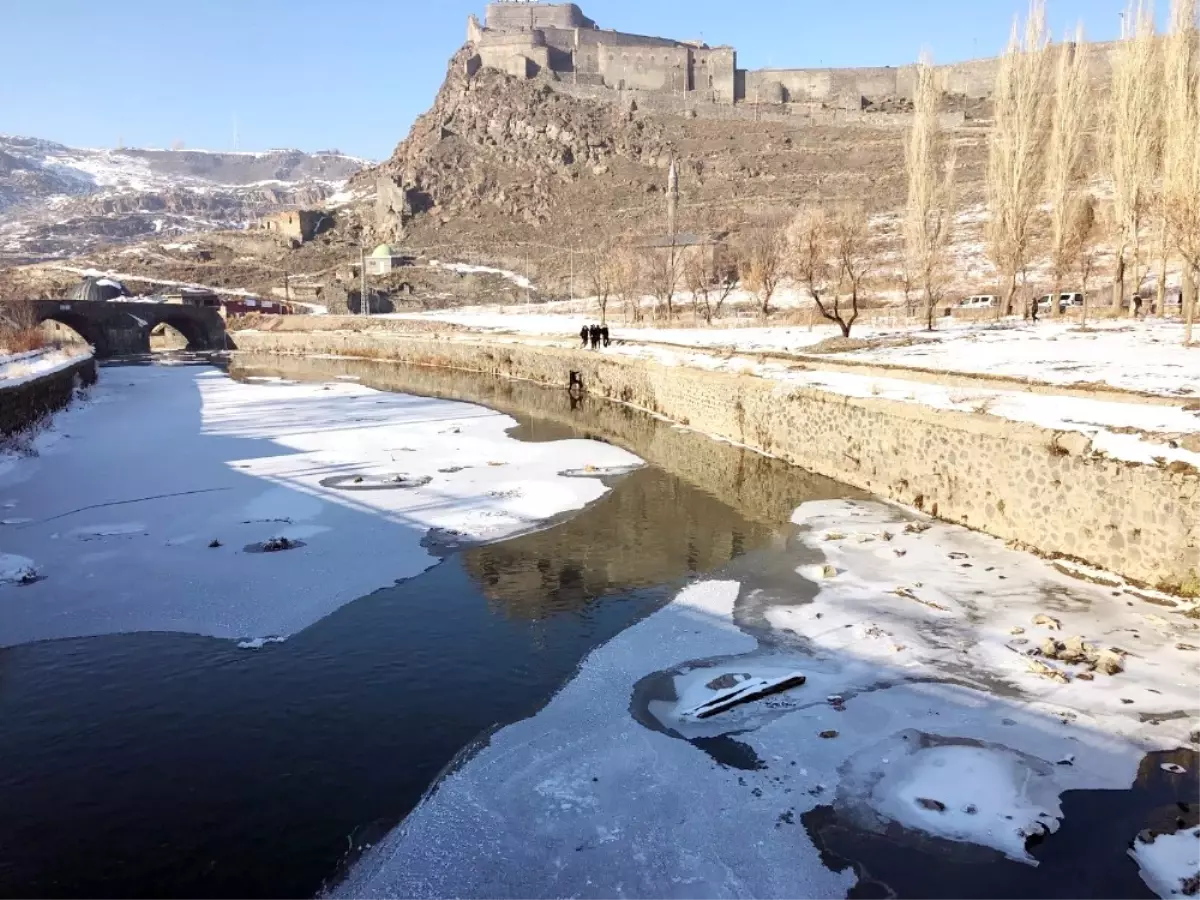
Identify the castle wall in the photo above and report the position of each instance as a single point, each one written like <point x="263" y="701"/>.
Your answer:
<point x="517" y="16"/>
<point x="522" y="54"/>
<point x="647" y="68"/>
<point x="714" y="70"/>
<point x="561" y="38"/>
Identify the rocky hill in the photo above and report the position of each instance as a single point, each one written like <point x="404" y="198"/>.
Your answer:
<point x="58" y="201"/>
<point x="520" y="166"/>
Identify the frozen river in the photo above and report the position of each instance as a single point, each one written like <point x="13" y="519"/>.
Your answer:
<point x="553" y="595"/>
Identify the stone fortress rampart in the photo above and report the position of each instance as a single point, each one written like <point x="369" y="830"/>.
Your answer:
<point x="527" y="38"/>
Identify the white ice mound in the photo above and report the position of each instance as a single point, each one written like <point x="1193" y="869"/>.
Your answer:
<point x="1169" y="863"/>
<point x="953" y="789"/>
<point x="16" y="569"/>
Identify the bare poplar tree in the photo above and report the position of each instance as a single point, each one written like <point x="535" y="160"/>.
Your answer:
<point x="1181" y="150"/>
<point x="1016" y="149"/>
<point x="929" y="213"/>
<point x="760" y="264"/>
<point x="1134" y="138"/>
<point x="1085" y="235"/>
<point x="1065" y="158"/>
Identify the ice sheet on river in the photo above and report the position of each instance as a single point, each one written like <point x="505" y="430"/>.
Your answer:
<point x="919" y="718"/>
<point x="150" y="507"/>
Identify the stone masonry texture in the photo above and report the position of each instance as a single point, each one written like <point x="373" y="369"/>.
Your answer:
<point x="1041" y="489"/>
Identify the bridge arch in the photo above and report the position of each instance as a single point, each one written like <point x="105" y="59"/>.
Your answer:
<point x="81" y="325"/>
<point x="115" y="327"/>
<point x="192" y="329"/>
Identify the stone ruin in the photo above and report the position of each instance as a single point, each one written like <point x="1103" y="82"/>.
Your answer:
<point x="525" y="39"/>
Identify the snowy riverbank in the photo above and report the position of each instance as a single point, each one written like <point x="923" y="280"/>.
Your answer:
<point x="1146" y="355"/>
<point x="20" y="368"/>
<point x="923" y="714"/>
<point x="177" y="499"/>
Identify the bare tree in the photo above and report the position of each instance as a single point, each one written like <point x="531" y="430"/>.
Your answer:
<point x="760" y="264"/>
<point x="19" y="326"/>
<point x="857" y="256"/>
<point x="811" y="256"/>
<point x="600" y="275"/>
<point x="1134" y="138"/>
<point x="626" y="273"/>
<point x="1016" y="149"/>
<point x="1086" y="233"/>
<point x="833" y="256"/>
<point x="1065" y="157"/>
<point x="1181" y="150"/>
<point x="929" y="213"/>
<point x="663" y="269"/>
<point x="710" y="289"/>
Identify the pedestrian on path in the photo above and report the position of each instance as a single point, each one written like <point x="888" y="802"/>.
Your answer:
<point x="583" y="336"/>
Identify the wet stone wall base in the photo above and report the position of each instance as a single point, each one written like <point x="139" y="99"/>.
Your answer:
<point x="24" y="404"/>
<point x="1041" y="488"/>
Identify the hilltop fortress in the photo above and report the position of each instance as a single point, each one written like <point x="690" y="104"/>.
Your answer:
<point x="528" y="38"/>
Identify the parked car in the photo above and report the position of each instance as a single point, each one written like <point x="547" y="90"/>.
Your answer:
<point x="1066" y="300"/>
<point x="979" y="301"/>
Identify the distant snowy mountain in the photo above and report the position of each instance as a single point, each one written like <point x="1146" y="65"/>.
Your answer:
<point x="58" y="201"/>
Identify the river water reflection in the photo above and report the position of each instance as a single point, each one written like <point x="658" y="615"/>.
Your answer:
<point x="177" y="765"/>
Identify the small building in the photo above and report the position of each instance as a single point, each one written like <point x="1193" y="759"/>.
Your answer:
<point x="227" y="306"/>
<point x="384" y="259"/>
<point x="298" y="225"/>
<point x="199" y="297"/>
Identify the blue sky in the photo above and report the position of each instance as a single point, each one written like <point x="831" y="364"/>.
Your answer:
<point x="353" y="74"/>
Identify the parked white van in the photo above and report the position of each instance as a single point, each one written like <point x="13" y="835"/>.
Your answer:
<point x="1066" y="300"/>
<point x="979" y="301"/>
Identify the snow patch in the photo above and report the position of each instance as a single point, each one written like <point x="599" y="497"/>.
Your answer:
<point x="16" y="569"/>
<point x="1169" y="863"/>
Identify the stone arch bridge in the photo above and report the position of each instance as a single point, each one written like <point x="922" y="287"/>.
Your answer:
<point x="116" y="328"/>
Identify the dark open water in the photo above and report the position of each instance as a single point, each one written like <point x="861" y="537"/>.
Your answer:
<point x="174" y="765"/>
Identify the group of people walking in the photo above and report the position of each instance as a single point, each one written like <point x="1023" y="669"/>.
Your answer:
<point x="594" y="335"/>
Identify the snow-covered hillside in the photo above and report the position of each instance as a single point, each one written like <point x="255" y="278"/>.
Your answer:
<point x="57" y="200"/>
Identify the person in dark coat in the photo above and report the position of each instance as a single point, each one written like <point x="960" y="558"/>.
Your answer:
<point x="604" y="334"/>
<point x="583" y="336"/>
<point x="594" y="332"/>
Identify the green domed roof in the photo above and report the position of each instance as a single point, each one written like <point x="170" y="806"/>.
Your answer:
<point x="383" y="251"/>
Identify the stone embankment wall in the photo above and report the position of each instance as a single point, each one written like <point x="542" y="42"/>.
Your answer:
<point x="1040" y="488"/>
<point x="24" y="404"/>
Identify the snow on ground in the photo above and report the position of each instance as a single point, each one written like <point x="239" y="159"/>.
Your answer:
<point x="1170" y="863"/>
<point x="466" y="269"/>
<point x="1107" y="423"/>
<point x="152" y="504"/>
<point x="1147" y="355"/>
<point x="921" y="717"/>
<point x="19" y="368"/>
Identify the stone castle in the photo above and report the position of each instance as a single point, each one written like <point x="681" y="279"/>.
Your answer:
<point x="527" y="38"/>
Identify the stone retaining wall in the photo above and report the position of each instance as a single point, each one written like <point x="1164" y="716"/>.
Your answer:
<point x="24" y="404"/>
<point x="1040" y="488"/>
